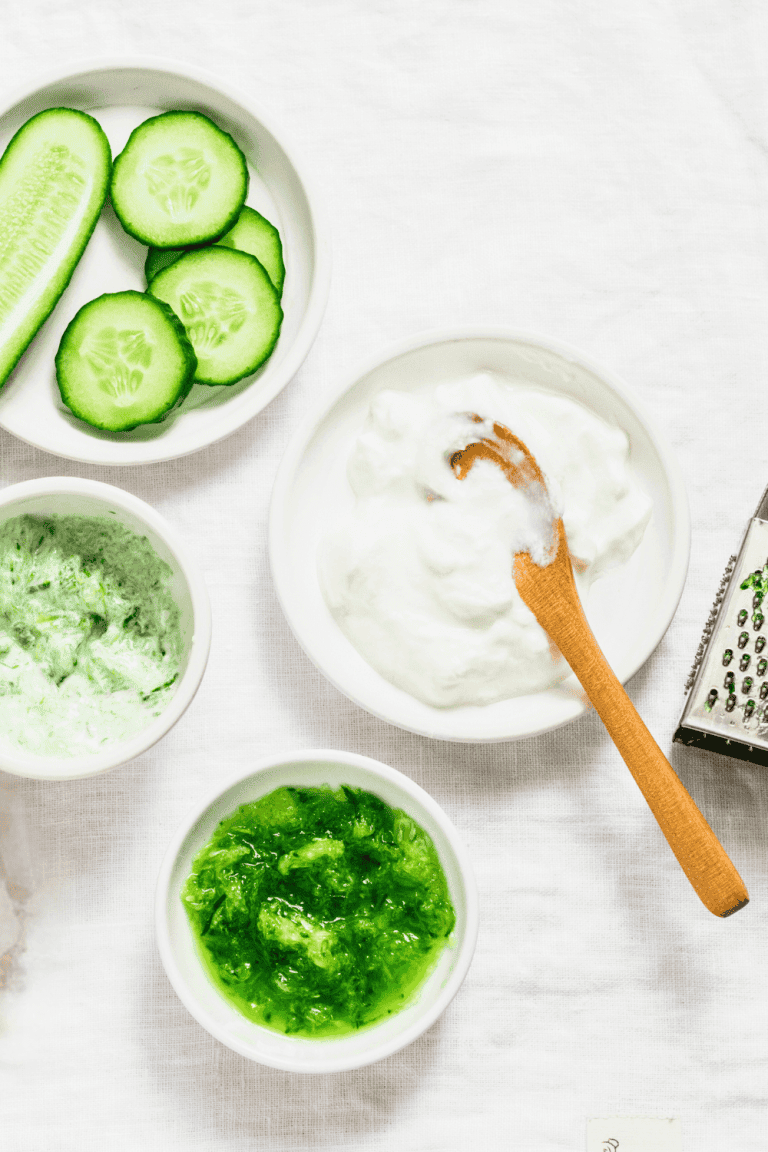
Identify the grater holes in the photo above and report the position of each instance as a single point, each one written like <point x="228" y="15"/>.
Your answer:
<point x="744" y="662"/>
<point x="712" y="698"/>
<point x="747" y="684"/>
<point x="742" y="617"/>
<point x="764" y="692"/>
<point x="730" y="703"/>
<point x="743" y="639"/>
<point x="749" y="708"/>
<point x="729" y="681"/>
<point x="757" y="621"/>
<point x="759" y="644"/>
<point x="728" y="655"/>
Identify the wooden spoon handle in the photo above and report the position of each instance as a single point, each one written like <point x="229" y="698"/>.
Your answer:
<point x="699" y="852"/>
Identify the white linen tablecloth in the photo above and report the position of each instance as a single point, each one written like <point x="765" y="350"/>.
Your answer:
<point x="590" y="171"/>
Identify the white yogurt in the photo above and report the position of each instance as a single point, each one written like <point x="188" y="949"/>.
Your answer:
<point x="419" y="574"/>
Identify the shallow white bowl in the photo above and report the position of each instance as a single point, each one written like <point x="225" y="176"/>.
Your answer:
<point x="121" y="93"/>
<point x="185" y="969"/>
<point x="67" y="496"/>
<point x="629" y="609"/>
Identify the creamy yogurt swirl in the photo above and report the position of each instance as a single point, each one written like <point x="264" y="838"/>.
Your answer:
<point x="419" y="574"/>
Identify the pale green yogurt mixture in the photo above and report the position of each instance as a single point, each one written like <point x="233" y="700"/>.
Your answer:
<point x="90" y="642"/>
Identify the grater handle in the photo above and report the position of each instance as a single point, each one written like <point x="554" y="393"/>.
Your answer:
<point x="550" y="592"/>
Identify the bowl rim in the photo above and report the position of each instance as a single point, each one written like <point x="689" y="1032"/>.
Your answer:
<point x="317" y="298"/>
<point x="279" y="560"/>
<point x="80" y="767"/>
<point x="464" y="950"/>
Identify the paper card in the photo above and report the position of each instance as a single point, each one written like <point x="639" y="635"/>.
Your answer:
<point x="634" y="1134"/>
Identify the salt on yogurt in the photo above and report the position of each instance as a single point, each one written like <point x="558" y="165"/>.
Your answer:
<point x="419" y="575"/>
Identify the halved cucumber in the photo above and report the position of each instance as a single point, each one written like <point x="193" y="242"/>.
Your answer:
<point x="179" y="180"/>
<point x="54" y="176"/>
<point x="252" y="233"/>
<point x="229" y="307"/>
<point x="124" y="360"/>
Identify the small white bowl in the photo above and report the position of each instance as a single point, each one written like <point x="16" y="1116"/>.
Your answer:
<point x="69" y="496"/>
<point x="629" y="608"/>
<point x="182" y="962"/>
<point x="121" y="93"/>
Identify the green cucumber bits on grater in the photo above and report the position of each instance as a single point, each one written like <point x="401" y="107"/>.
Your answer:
<point x="124" y="360"/>
<point x="317" y="911"/>
<point x="54" y="176"/>
<point x="179" y="180"/>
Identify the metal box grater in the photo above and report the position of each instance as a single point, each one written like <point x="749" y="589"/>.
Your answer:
<point x="727" y="706"/>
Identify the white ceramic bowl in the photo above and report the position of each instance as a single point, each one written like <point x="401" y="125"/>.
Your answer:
<point x="73" y="497"/>
<point x="185" y="969"/>
<point x="121" y="93"/>
<point x="629" y="609"/>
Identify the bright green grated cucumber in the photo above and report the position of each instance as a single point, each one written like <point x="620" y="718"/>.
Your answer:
<point x="229" y="307"/>
<point x="124" y="360"/>
<point x="179" y="181"/>
<point x="54" y="177"/>
<point x="252" y="233"/>
<point x="319" y="912"/>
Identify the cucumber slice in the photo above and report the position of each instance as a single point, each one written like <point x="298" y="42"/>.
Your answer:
<point x="229" y="307"/>
<point x="124" y="360"/>
<point x="179" y="180"/>
<point x="252" y="233"/>
<point x="54" y="177"/>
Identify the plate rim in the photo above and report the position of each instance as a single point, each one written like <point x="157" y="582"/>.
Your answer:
<point x="317" y="299"/>
<point x="680" y="555"/>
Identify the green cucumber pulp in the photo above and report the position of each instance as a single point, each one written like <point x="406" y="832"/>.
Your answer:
<point x="319" y="912"/>
<point x="252" y="233"/>
<point x="124" y="360"/>
<point x="179" y="181"/>
<point x="229" y="308"/>
<point x="54" y="177"/>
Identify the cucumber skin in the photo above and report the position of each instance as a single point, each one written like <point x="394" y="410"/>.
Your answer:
<point x="159" y="258"/>
<point x="255" y="364"/>
<point x="184" y="341"/>
<point x="152" y="263"/>
<point x="143" y="238"/>
<point x="10" y="356"/>
<point x="244" y="222"/>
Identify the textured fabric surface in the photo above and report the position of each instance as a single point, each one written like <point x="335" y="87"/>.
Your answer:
<point x="591" y="171"/>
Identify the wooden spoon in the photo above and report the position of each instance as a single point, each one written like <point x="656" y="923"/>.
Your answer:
<point x="550" y="592"/>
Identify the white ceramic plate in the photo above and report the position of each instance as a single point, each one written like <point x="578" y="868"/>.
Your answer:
<point x="629" y="609"/>
<point x="120" y="94"/>
<point x="185" y="969"/>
